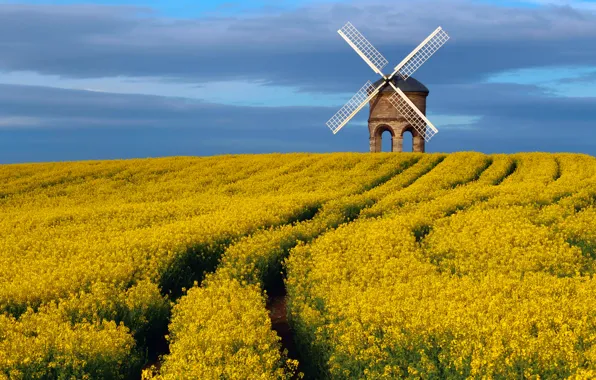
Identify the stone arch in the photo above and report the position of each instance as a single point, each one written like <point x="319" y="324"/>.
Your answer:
<point x="403" y="133"/>
<point x="383" y="114"/>
<point x="376" y="137"/>
<point x="417" y="139"/>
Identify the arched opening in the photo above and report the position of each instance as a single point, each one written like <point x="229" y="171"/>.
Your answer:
<point x="386" y="141"/>
<point x="407" y="141"/>
<point x="383" y="139"/>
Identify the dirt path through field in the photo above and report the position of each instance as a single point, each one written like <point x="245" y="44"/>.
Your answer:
<point x="276" y="305"/>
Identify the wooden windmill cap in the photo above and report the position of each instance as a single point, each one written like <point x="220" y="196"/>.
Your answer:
<point x="408" y="85"/>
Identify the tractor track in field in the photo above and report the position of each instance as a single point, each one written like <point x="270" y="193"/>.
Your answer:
<point x="276" y="303"/>
<point x="276" y="293"/>
<point x="277" y="308"/>
<point x="277" y="296"/>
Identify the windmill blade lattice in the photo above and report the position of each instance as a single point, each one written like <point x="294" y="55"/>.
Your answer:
<point x="405" y="68"/>
<point x="351" y="108"/>
<point x="364" y="48"/>
<point x="412" y="114"/>
<point x="421" y="54"/>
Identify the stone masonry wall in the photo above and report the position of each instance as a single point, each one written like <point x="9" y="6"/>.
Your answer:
<point x="384" y="116"/>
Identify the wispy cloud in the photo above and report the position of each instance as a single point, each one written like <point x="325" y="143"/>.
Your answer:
<point x="299" y="47"/>
<point x="257" y="93"/>
<point x="20" y="121"/>
<point x="455" y="122"/>
<point x="136" y="82"/>
<point x="577" y="4"/>
<point x="567" y="81"/>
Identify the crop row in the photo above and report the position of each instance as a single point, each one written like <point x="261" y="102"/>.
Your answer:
<point x="386" y="254"/>
<point x="256" y="260"/>
<point x="222" y="328"/>
<point x="93" y="255"/>
<point x="489" y="276"/>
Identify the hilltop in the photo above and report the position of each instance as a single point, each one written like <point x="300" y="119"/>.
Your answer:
<point x="395" y="265"/>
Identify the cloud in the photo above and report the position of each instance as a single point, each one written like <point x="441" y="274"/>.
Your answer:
<point x="454" y="122"/>
<point x="81" y="124"/>
<point x="61" y="108"/>
<point x="298" y="47"/>
<point x="586" y="77"/>
<point x="572" y="81"/>
<point x="223" y="92"/>
<point x="19" y="121"/>
<point x="112" y="82"/>
<point x="579" y="4"/>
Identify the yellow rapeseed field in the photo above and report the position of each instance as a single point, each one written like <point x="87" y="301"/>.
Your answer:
<point x="459" y="265"/>
<point x="489" y="277"/>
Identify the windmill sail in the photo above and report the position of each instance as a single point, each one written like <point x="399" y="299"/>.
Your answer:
<point x="351" y="108"/>
<point x="364" y="48"/>
<point x="412" y="114"/>
<point x="421" y="54"/>
<point x="377" y="62"/>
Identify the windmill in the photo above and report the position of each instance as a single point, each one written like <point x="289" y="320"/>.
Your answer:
<point x="404" y="106"/>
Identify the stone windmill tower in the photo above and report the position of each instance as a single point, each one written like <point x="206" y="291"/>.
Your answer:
<point x="397" y="101"/>
<point x="384" y="116"/>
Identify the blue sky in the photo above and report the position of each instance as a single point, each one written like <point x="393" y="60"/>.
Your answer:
<point x="116" y="79"/>
<point x="191" y="9"/>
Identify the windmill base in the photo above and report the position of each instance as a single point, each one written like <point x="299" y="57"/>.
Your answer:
<point x="397" y="138"/>
<point x="383" y="116"/>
